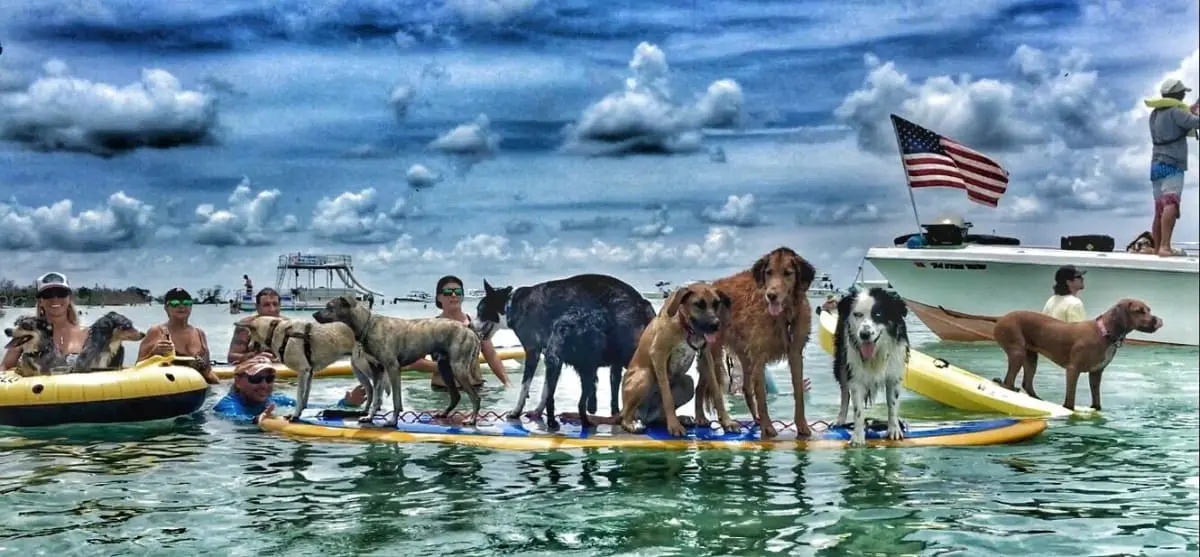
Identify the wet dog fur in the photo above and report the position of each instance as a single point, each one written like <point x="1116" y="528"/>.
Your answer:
<point x="303" y="346"/>
<point x="688" y="321"/>
<point x="35" y="337"/>
<point x="104" y="348"/>
<point x="771" y="320"/>
<point x="586" y="321"/>
<point x="1082" y="347"/>
<point x="396" y="343"/>
<point x="870" y="350"/>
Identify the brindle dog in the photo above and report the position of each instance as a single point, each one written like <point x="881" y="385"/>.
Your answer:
<point x="396" y="343"/>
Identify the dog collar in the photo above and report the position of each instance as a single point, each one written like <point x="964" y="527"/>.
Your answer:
<point x="1104" y="333"/>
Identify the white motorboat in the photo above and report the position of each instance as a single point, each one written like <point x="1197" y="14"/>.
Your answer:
<point x="822" y="286"/>
<point x="958" y="283"/>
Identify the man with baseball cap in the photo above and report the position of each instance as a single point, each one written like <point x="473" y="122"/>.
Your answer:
<point x="1065" y="304"/>
<point x="1171" y="123"/>
<point x="253" y="391"/>
<point x="178" y="335"/>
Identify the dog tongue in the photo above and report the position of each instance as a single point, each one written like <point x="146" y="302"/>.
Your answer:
<point x="710" y="337"/>
<point x="774" y="308"/>
<point x="867" y="349"/>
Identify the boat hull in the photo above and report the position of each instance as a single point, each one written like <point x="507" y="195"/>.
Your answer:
<point x="956" y="292"/>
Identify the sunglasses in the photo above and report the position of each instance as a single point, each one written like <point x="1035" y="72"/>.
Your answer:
<point x="54" y="293"/>
<point x="452" y="291"/>
<point x="177" y="303"/>
<point x="256" y="379"/>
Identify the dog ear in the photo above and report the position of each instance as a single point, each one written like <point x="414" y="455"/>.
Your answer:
<point x="1120" y="318"/>
<point x="805" y="275"/>
<point x="759" y="270"/>
<point x="675" y="299"/>
<point x="845" y="305"/>
<point x="899" y="307"/>
<point x="726" y="313"/>
<point x="487" y="288"/>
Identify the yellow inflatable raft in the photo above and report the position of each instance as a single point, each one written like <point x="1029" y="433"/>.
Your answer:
<point x="953" y="386"/>
<point x="154" y="389"/>
<point x="341" y="368"/>
<point x="497" y="433"/>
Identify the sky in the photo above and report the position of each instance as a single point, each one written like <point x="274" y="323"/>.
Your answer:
<point x="167" y="144"/>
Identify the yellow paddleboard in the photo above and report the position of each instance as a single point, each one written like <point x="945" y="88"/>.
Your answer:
<point x="341" y="368"/>
<point x="953" y="386"/>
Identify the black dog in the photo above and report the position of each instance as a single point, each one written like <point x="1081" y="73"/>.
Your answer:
<point x="585" y="321"/>
<point x="35" y="337"/>
<point x="103" y="349"/>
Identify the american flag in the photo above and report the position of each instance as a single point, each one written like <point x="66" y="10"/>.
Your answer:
<point x="931" y="161"/>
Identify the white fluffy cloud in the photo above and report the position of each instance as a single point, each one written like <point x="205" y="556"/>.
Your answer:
<point x="721" y="247"/>
<point x="658" y="225"/>
<point x="250" y="219"/>
<point x="59" y="112"/>
<point x="357" y="218"/>
<point x="737" y="211"/>
<point x="121" y="222"/>
<point x="419" y="177"/>
<point x="1052" y="98"/>
<point x="644" y="116"/>
<point x="474" y="138"/>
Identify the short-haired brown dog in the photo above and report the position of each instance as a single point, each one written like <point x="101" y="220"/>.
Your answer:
<point x="1078" y="347"/>
<point x="687" y="323"/>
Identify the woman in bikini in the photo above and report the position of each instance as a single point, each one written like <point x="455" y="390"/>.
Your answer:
<point x="54" y="304"/>
<point x="448" y="297"/>
<point x="179" y="336"/>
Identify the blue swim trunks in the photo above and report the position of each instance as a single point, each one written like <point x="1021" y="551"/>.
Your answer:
<point x="1160" y="170"/>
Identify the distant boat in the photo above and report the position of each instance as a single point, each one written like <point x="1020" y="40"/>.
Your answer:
<point x="822" y="287"/>
<point x="416" y="296"/>
<point x="475" y="294"/>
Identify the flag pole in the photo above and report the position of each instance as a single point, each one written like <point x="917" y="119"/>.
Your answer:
<point x="911" y="198"/>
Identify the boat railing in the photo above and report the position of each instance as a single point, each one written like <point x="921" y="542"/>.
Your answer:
<point x="302" y="260"/>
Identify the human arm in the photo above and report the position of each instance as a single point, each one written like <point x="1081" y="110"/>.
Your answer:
<point x="204" y="359"/>
<point x="425" y="365"/>
<point x="493" y="361"/>
<point x="1185" y="119"/>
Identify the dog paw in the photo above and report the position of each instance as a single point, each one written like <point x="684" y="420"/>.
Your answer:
<point x="856" y="441"/>
<point x="768" y="431"/>
<point x="803" y="429"/>
<point x="1096" y="407"/>
<point x="632" y="427"/>
<point x="688" y="421"/>
<point x="731" y="426"/>
<point x="675" y="428"/>
<point x="895" y="434"/>
<point x="365" y="420"/>
<point x="552" y="424"/>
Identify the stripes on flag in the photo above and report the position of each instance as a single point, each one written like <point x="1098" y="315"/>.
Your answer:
<point x="931" y="160"/>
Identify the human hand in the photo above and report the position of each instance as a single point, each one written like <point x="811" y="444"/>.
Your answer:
<point x="163" y="347"/>
<point x="1195" y="108"/>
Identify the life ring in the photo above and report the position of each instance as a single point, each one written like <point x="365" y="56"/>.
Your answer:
<point x="154" y="389"/>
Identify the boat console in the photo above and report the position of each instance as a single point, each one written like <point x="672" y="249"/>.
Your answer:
<point x="951" y="231"/>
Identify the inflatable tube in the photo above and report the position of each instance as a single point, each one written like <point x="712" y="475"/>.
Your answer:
<point x="154" y="389"/>
<point x="953" y="386"/>
<point x="497" y="433"/>
<point x="341" y="368"/>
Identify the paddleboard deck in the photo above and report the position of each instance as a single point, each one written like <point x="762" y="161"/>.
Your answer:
<point x="940" y="380"/>
<point x="341" y="368"/>
<point x="525" y="434"/>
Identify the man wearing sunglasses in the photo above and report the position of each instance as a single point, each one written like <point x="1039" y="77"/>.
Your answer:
<point x="179" y="336"/>
<point x="253" y="391"/>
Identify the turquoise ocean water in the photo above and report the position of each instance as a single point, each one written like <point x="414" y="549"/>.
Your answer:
<point x="1123" y="483"/>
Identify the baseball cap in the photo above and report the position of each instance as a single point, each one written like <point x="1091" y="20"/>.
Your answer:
<point x="1066" y="273"/>
<point x="254" y="366"/>
<point x="1173" y="85"/>
<point x="176" y="294"/>
<point x="53" y="281"/>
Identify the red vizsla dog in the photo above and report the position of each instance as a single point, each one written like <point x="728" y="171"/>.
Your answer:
<point x="1079" y="347"/>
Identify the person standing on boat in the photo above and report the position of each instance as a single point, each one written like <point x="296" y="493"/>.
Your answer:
<point x="1171" y="123"/>
<point x="1065" y="303"/>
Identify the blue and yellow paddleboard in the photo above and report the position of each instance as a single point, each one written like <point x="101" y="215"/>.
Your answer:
<point x="531" y="435"/>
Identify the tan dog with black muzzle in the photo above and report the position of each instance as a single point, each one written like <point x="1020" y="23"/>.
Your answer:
<point x="688" y="322"/>
<point x="303" y="346"/>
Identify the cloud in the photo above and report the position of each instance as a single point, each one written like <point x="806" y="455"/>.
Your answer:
<point x="121" y="222"/>
<point x="399" y="100"/>
<point x="419" y="177"/>
<point x="356" y="218"/>
<point x="519" y="227"/>
<point x="598" y="222"/>
<point x="473" y="138"/>
<point x="495" y="12"/>
<point x="1051" y="98"/>
<point x="643" y="117"/>
<point x="657" y="226"/>
<point x="721" y="247"/>
<point x="250" y="219"/>
<point x="737" y="211"/>
<point x="845" y="214"/>
<point x="58" y="112"/>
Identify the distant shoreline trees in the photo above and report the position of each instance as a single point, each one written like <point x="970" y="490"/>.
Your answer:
<point x="24" y="295"/>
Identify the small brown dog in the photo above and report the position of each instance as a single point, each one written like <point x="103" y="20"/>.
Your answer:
<point x="1079" y="347"/>
<point x="686" y="325"/>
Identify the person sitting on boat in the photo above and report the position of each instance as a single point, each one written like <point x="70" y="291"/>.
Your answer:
<point x="55" y="305"/>
<point x="266" y="303"/>
<point x="1171" y="123"/>
<point x="448" y="298"/>
<point x="1065" y="303"/>
<point x="179" y="337"/>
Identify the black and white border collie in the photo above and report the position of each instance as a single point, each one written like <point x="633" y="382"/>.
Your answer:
<point x="870" y="350"/>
